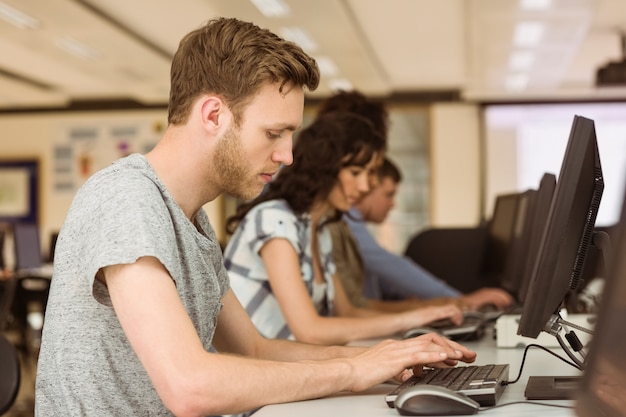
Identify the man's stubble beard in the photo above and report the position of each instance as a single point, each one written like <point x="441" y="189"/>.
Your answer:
<point x="232" y="167"/>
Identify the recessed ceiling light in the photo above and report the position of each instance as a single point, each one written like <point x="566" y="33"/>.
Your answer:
<point x="327" y="66"/>
<point x="76" y="48"/>
<point x="535" y="4"/>
<point x="516" y="82"/>
<point x="521" y="60"/>
<point x="340" y="84"/>
<point x="17" y="17"/>
<point x="300" y="37"/>
<point x="272" y="8"/>
<point x="528" y="33"/>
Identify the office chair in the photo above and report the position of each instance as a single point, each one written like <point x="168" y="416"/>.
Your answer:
<point x="7" y="295"/>
<point x="452" y="254"/>
<point x="53" y="243"/>
<point x="10" y="375"/>
<point x="2" y="260"/>
<point x="31" y="297"/>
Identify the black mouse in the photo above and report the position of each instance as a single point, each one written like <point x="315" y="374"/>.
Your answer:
<point x="432" y="400"/>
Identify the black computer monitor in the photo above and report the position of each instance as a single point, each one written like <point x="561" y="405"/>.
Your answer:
<point x="500" y="233"/>
<point x="567" y="235"/>
<point x="27" y="246"/>
<point x="568" y="231"/>
<point x="537" y="215"/>
<point x="518" y="242"/>
<point x="603" y="387"/>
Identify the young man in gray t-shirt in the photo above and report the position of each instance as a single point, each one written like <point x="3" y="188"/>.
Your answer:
<point x="140" y="304"/>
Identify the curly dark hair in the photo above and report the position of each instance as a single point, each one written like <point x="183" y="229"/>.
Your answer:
<point x="332" y="142"/>
<point x="356" y="102"/>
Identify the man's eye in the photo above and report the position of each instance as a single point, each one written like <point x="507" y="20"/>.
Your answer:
<point x="273" y="135"/>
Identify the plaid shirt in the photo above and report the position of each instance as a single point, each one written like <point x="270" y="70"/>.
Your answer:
<point x="249" y="281"/>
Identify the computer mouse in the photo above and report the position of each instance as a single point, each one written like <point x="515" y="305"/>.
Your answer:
<point x="432" y="400"/>
<point x="418" y="331"/>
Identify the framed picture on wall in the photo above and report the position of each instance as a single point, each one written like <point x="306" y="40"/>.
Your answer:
<point x="19" y="190"/>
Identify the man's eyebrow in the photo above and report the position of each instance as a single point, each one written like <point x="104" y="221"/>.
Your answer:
<point x="286" y="126"/>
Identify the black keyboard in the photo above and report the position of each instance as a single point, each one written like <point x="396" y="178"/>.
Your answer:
<point x="472" y="328"/>
<point x="484" y="383"/>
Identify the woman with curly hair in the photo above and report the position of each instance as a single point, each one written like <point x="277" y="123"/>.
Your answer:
<point x="279" y="258"/>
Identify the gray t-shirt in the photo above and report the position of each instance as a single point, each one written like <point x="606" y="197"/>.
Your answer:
<point x="86" y="365"/>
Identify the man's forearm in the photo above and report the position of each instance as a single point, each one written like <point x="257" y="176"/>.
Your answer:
<point x="288" y="350"/>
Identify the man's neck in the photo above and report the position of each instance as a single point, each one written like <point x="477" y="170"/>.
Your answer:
<point x="182" y="171"/>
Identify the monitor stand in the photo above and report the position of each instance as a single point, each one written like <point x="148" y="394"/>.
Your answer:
<point x="552" y="387"/>
<point x="565" y="387"/>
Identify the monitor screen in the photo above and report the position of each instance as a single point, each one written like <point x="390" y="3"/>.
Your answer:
<point x="500" y="233"/>
<point x="539" y="207"/>
<point x="568" y="230"/>
<point x="27" y="246"/>
<point x="603" y="387"/>
<point x="532" y="211"/>
<point x="518" y="244"/>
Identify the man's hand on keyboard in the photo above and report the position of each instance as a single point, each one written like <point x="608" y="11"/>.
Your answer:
<point x="466" y="355"/>
<point x="400" y="358"/>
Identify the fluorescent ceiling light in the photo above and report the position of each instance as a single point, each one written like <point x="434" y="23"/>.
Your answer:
<point x="327" y="66"/>
<point x="340" y="84"/>
<point x="528" y="33"/>
<point x="535" y="4"/>
<point x="272" y="8"/>
<point x="300" y="37"/>
<point x="516" y="82"/>
<point x="17" y="17"/>
<point x="76" y="48"/>
<point x="521" y="60"/>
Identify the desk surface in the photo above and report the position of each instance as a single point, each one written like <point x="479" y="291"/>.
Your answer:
<point x="372" y="403"/>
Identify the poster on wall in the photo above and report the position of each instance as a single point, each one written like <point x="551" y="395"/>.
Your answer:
<point x="86" y="149"/>
<point x="19" y="191"/>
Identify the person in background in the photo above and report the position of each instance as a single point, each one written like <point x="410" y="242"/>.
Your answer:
<point x="365" y="267"/>
<point x="279" y="257"/>
<point x="373" y="110"/>
<point x="386" y="272"/>
<point x="141" y="319"/>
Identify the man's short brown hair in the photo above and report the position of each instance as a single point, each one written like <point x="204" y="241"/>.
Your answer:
<point x="234" y="59"/>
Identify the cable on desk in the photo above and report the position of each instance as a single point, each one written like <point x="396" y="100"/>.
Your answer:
<point x="566" y="349"/>
<point x="524" y="360"/>
<point x="525" y="402"/>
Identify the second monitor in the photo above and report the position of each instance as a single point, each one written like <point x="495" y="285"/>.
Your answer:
<point x="565" y="241"/>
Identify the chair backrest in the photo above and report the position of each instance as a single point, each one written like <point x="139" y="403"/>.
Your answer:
<point x="10" y="374"/>
<point x="2" y="260"/>
<point x="7" y="294"/>
<point x="452" y="254"/>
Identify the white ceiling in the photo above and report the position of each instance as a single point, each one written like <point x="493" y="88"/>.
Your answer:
<point x="383" y="48"/>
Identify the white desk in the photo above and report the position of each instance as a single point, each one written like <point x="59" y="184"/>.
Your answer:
<point x="372" y="403"/>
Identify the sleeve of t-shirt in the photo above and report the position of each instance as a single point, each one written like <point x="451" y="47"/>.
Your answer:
<point x="396" y="271"/>
<point x="123" y="222"/>
<point x="271" y="222"/>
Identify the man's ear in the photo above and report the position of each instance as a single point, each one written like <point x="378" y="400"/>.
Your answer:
<point x="214" y="113"/>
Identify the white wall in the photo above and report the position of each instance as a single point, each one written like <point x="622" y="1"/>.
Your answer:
<point x="454" y="147"/>
<point x="37" y="135"/>
<point x="455" y="164"/>
<point x="524" y="141"/>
